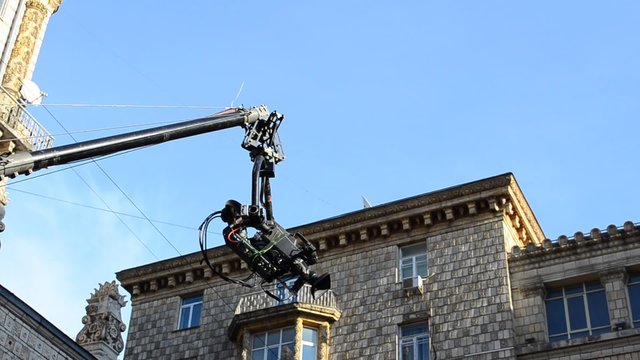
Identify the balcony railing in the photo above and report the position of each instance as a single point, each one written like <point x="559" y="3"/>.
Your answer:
<point x="29" y="130"/>
<point x="31" y="135"/>
<point x="260" y="301"/>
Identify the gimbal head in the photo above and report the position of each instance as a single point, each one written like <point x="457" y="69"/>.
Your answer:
<point x="271" y="252"/>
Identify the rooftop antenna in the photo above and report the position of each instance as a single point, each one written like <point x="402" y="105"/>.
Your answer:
<point x="365" y="202"/>
<point x="31" y="93"/>
<point x="238" y="94"/>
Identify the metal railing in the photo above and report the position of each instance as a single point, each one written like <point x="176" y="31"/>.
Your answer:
<point x="260" y="301"/>
<point x="26" y="128"/>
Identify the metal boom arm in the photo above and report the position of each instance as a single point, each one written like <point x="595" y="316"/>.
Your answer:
<point x="28" y="162"/>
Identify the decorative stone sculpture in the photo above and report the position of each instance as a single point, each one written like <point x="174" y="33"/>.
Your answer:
<point x="103" y="323"/>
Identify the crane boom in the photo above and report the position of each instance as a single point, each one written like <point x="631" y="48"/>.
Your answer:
<point x="272" y="252"/>
<point x="24" y="163"/>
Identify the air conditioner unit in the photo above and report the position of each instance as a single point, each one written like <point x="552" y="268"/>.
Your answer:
<point x="414" y="283"/>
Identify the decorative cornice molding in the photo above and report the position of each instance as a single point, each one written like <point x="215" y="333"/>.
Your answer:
<point x="629" y="234"/>
<point x="418" y="213"/>
<point x="522" y="207"/>
<point x="404" y="205"/>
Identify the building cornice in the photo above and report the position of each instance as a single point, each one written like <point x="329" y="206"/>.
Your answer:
<point x="499" y="194"/>
<point x="612" y="238"/>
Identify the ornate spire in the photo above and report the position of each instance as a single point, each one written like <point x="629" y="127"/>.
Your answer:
<point x="103" y="323"/>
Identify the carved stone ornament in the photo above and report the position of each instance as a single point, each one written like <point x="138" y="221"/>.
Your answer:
<point x="103" y="323"/>
<point x="533" y="289"/>
<point x="613" y="274"/>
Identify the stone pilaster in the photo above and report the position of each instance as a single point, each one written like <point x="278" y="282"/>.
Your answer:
<point x="35" y="15"/>
<point x="530" y="313"/>
<point x="469" y="292"/>
<point x="23" y="57"/>
<point x="298" y="340"/>
<point x="615" y="284"/>
<point x="324" y="334"/>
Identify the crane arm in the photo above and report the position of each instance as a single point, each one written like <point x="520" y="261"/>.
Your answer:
<point x="24" y="163"/>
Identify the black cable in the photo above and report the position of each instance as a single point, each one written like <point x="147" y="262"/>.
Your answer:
<point x="202" y="239"/>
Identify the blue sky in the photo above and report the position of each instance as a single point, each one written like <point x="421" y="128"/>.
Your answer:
<point x="384" y="100"/>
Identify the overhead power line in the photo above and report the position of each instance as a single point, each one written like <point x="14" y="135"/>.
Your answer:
<point x="135" y="106"/>
<point x="102" y="209"/>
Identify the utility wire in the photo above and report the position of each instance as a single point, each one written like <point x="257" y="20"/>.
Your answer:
<point x="99" y="197"/>
<point x="145" y="217"/>
<point x="135" y="106"/>
<point x="102" y="209"/>
<point x="79" y="163"/>
<point x="97" y="130"/>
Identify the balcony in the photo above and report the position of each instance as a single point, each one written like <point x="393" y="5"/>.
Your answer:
<point x="260" y="301"/>
<point x="22" y="128"/>
<point x="260" y="311"/>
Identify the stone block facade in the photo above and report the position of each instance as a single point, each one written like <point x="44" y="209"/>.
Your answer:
<point x="26" y="335"/>
<point x="601" y="257"/>
<point x="483" y="296"/>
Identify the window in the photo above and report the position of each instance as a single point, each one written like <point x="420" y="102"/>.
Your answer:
<point x="3" y="10"/>
<point x="414" y="342"/>
<point x="282" y="292"/>
<point x="273" y="345"/>
<point x="279" y="344"/>
<point x="190" y="312"/>
<point x="577" y="311"/>
<point x="413" y="262"/>
<point x="634" y="298"/>
<point x="309" y="343"/>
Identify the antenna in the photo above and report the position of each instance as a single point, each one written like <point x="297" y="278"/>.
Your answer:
<point x="31" y="92"/>
<point x="365" y="202"/>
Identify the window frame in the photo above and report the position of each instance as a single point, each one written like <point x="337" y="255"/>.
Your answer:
<point x="262" y="352"/>
<point x="313" y="344"/>
<point x="586" y="289"/>
<point x="414" y="339"/>
<point x="633" y="280"/>
<point x="192" y="302"/>
<point x="414" y="263"/>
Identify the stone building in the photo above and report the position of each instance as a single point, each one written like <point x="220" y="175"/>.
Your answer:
<point x="23" y="24"/>
<point x="25" y="334"/>
<point x="464" y="272"/>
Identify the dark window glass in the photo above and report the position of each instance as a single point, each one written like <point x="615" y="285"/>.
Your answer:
<point x="601" y="330"/>
<point x="273" y="338"/>
<point x="273" y="344"/>
<point x="558" y="337"/>
<point x="413" y="261"/>
<point x="258" y="340"/>
<point x="554" y="293"/>
<point x="414" y="342"/>
<point x="598" y="302"/>
<point x="593" y="286"/>
<point x="288" y="334"/>
<point x="190" y="312"/>
<point x="556" y="317"/>
<point x="184" y="318"/>
<point x="575" y="289"/>
<point x="576" y="311"/>
<point x="577" y="316"/>
<point x="634" y="298"/>
<point x="579" y="334"/>
<point x="257" y="354"/>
